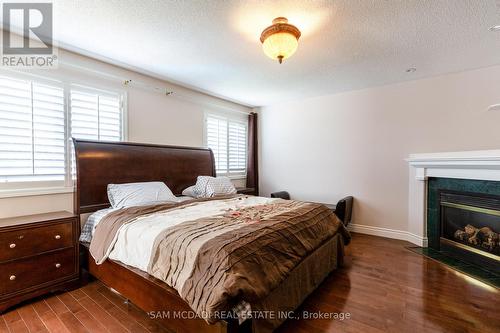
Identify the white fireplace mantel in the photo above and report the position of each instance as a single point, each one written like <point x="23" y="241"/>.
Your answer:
<point x="480" y="165"/>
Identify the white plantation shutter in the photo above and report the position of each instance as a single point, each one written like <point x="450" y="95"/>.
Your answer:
<point x="16" y="130"/>
<point x="228" y="140"/>
<point x="237" y="139"/>
<point x="216" y="132"/>
<point x="49" y="132"/>
<point x="110" y="118"/>
<point x="36" y="125"/>
<point x="84" y="115"/>
<point x="32" y="131"/>
<point x="94" y="116"/>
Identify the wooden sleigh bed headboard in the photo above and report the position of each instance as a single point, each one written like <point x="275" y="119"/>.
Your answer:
<point x="101" y="163"/>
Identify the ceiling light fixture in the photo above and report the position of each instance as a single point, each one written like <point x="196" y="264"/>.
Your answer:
<point x="494" y="28"/>
<point x="280" y="40"/>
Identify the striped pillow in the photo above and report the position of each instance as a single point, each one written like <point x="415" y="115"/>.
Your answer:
<point x="92" y="222"/>
<point x="207" y="187"/>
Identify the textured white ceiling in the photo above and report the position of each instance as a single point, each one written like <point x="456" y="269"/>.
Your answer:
<point x="346" y="44"/>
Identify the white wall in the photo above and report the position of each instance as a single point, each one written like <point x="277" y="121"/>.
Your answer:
<point x="152" y="117"/>
<point x="355" y="143"/>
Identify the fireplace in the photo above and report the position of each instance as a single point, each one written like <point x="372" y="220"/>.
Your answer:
<point x="470" y="224"/>
<point x="446" y="193"/>
<point x="463" y="220"/>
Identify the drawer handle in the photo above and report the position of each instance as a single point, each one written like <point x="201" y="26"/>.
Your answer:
<point x="12" y="277"/>
<point x="57" y="236"/>
<point x="58" y="265"/>
<point x="13" y="245"/>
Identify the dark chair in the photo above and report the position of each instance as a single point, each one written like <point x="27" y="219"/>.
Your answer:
<point x="344" y="209"/>
<point x="281" y="194"/>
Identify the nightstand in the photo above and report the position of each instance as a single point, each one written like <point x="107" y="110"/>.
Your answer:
<point x="38" y="254"/>
<point x="245" y="190"/>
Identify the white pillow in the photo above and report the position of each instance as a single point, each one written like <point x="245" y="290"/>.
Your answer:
<point x="137" y="194"/>
<point x="189" y="192"/>
<point x="207" y="187"/>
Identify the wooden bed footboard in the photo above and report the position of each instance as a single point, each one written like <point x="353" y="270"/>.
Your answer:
<point x="153" y="295"/>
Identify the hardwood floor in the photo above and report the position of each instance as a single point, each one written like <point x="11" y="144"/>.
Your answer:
<point x="387" y="288"/>
<point x="383" y="286"/>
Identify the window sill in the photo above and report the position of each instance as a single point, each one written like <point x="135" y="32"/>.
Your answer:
<point x="29" y="192"/>
<point x="237" y="177"/>
<point x="233" y="177"/>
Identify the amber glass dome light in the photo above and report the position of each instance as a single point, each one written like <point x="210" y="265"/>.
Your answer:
<point x="280" y="40"/>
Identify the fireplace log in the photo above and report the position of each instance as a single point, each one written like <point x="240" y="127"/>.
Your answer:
<point x="484" y="237"/>
<point x="472" y="234"/>
<point x="461" y="235"/>
<point x="489" y="238"/>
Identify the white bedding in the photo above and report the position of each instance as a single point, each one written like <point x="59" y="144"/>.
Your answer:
<point x="134" y="241"/>
<point x="96" y="217"/>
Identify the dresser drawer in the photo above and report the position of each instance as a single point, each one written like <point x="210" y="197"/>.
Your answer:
<point x="29" y="272"/>
<point x="30" y="241"/>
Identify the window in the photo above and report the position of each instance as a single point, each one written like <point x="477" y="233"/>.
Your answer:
<point x="32" y="131"/>
<point x="95" y="115"/>
<point x="227" y="137"/>
<point x="36" y="125"/>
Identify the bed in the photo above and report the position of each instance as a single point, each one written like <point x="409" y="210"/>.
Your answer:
<point x="102" y="163"/>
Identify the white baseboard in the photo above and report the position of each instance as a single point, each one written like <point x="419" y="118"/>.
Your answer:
<point x="388" y="233"/>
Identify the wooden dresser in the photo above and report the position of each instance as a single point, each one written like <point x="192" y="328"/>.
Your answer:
<point x="38" y="254"/>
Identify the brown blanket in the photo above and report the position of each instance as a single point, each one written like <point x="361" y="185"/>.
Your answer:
<point x="112" y="222"/>
<point x="241" y="255"/>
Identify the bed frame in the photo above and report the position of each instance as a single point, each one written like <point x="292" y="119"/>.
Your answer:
<point x="101" y="163"/>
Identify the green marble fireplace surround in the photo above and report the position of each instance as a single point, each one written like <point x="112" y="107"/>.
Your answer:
<point x="483" y="269"/>
<point x="434" y="185"/>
